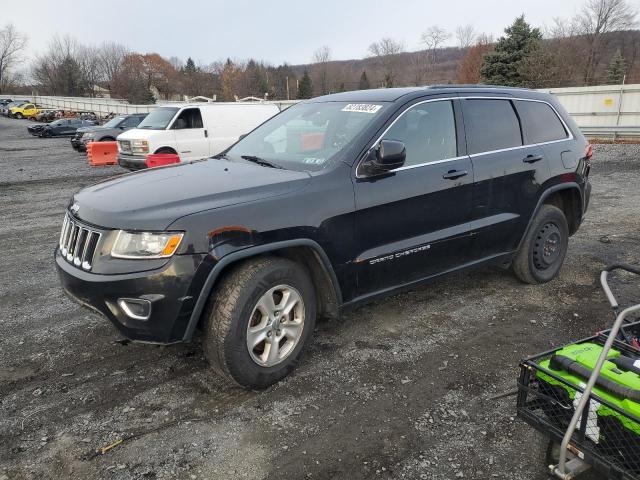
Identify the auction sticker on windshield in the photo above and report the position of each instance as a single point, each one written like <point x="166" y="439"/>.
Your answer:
<point x="362" y="107"/>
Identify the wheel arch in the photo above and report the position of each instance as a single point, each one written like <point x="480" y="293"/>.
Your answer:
<point x="555" y="195"/>
<point x="305" y="251"/>
<point x="166" y="150"/>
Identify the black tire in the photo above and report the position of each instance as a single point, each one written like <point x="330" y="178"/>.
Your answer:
<point x="18" y="116"/>
<point x="233" y="306"/>
<point x="108" y="139"/>
<point x="544" y="248"/>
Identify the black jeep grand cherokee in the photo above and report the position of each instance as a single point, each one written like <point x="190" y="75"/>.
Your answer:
<point x="334" y="201"/>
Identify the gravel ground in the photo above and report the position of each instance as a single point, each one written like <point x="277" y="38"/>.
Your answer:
<point x="401" y="388"/>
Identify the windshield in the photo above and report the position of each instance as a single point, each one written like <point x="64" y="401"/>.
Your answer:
<point x="306" y="136"/>
<point x="114" y="122"/>
<point x="159" y="118"/>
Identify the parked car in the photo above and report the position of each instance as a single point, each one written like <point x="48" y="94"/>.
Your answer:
<point x="46" y="115"/>
<point x="26" y="110"/>
<point x="5" y="109"/>
<point x="5" y="101"/>
<point x="64" y="127"/>
<point x="192" y="131"/>
<point x="333" y="202"/>
<point x="107" y="132"/>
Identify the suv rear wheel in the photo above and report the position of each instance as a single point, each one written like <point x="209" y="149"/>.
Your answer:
<point x="544" y="248"/>
<point x="259" y="320"/>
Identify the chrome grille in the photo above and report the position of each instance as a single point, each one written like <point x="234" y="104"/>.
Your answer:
<point x="78" y="243"/>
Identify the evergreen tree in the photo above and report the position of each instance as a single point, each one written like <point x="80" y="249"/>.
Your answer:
<point x="616" y="70"/>
<point x="364" y="81"/>
<point x="502" y="66"/>
<point x="190" y="67"/>
<point x="305" y="87"/>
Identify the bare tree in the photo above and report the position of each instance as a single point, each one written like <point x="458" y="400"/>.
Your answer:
<point x="466" y="36"/>
<point x="88" y="59"/>
<point x="433" y="38"/>
<point x="418" y="66"/>
<point x="321" y="57"/>
<point x="111" y="56"/>
<point x="598" y="18"/>
<point x="469" y="67"/>
<point x="11" y="44"/>
<point x="385" y="53"/>
<point x="59" y="69"/>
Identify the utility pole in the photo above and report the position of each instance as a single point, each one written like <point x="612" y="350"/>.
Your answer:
<point x="287" y="80"/>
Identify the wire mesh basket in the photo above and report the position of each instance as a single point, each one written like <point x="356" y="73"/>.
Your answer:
<point x="608" y="435"/>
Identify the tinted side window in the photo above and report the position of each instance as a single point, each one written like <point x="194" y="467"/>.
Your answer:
<point x="491" y="125"/>
<point x="539" y="122"/>
<point x="131" y="122"/>
<point x="428" y="131"/>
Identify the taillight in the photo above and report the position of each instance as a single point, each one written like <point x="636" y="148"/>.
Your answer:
<point x="588" y="152"/>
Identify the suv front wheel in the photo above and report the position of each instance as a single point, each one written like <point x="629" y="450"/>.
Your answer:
<point x="258" y="321"/>
<point x="544" y="248"/>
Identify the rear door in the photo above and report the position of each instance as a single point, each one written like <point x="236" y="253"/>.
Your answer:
<point x="508" y="175"/>
<point x="190" y="135"/>
<point x="414" y="222"/>
<point x="541" y="125"/>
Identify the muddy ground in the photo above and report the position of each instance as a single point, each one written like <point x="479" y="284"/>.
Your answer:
<point x="401" y="388"/>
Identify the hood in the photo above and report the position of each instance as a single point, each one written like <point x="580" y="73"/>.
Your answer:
<point x="97" y="128"/>
<point x="153" y="199"/>
<point x="140" y="134"/>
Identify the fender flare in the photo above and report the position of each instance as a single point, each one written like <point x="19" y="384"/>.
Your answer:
<point x="544" y="196"/>
<point x="252" y="252"/>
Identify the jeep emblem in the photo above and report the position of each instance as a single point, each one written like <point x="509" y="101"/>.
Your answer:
<point x="75" y="208"/>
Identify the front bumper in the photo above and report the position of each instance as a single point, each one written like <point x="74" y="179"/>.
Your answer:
<point x="132" y="162"/>
<point x="173" y="290"/>
<point x="78" y="145"/>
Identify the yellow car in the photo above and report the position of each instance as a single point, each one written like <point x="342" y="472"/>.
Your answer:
<point x="26" y="110"/>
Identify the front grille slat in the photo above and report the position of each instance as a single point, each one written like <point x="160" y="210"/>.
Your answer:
<point x="78" y="251"/>
<point x="78" y="243"/>
<point x="90" y="250"/>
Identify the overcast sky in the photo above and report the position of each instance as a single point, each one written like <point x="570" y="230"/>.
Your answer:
<point x="276" y="31"/>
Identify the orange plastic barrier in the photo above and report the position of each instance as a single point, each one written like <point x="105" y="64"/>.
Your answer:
<point x="311" y="141"/>
<point x="160" y="159"/>
<point x="102" y="153"/>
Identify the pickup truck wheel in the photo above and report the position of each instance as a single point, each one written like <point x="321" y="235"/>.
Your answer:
<point x="544" y="249"/>
<point x="259" y="320"/>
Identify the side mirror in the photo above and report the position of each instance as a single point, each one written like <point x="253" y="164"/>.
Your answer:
<point x="386" y="156"/>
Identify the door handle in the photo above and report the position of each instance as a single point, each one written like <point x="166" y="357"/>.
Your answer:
<point x="453" y="174"/>
<point x="206" y="134"/>
<point x="532" y="158"/>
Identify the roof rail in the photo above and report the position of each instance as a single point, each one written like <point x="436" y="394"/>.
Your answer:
<point x="471" y="85"/>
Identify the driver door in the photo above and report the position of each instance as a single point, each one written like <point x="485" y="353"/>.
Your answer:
<point x="190" y="135"/>
<point x="413" y="222"/>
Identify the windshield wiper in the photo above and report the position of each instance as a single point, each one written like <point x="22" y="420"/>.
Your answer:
<point x="260" y="161"/>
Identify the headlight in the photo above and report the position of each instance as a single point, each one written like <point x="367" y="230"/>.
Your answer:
<point x="145" y="245"/>
<point x="139" y="146"/>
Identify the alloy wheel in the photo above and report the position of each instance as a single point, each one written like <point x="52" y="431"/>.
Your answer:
<point x="275" y="326"/>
